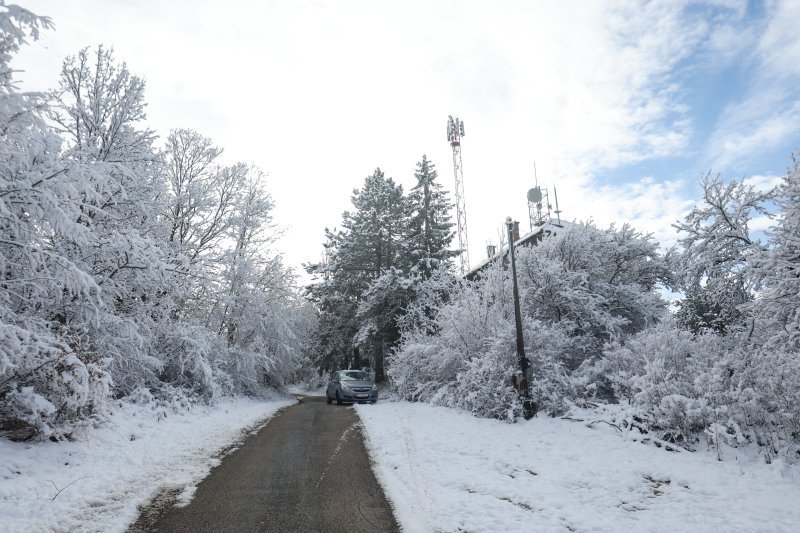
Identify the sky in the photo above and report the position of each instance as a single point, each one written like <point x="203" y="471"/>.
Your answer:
<point x="621" y="106"/>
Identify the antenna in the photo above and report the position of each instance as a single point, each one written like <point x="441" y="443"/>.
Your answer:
<point x="557" y="211"/>
<point x="538" y="203"/>
<point x="455" y="130"/>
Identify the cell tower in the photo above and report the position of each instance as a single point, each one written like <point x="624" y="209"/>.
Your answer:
<point x="455" y="130"/>
<point x="539" y="207"/>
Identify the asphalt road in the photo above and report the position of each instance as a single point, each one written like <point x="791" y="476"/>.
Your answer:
<point x="307" y="471"/>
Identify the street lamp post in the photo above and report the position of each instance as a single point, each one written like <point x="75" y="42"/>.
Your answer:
<point x="528" y="407"/>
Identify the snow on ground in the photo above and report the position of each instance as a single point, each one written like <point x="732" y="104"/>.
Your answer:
<point x="97" y="484"/>
<point x="306" y="389"/>
<point x="445" y="470"/>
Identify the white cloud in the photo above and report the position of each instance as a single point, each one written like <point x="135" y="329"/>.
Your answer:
<point x="769" y="112"/>
<point x="761" y="224"/>
<point x="321" y="93"/>
<point x="763" y="183"/>
<point x="648" y="205"/>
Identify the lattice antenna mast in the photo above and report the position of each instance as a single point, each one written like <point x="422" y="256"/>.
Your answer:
<point x="538" y="203"/>
<point x="455" y="130"/>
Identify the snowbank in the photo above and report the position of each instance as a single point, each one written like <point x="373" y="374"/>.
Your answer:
<point x="98" y="484"/>
<point x="444" y="470"/>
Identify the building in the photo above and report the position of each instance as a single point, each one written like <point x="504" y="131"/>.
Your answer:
<point x="532" y="238"/>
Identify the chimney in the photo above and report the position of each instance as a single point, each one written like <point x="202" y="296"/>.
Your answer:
<point x="490" y="250"/>
<point x="515" y="233"/>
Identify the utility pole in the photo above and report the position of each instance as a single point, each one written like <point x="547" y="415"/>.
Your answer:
<point x="528" y="406"/>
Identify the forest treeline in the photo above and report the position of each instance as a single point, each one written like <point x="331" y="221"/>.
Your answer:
<point x="129" y="268"/>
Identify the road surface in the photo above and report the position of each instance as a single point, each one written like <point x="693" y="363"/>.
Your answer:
<point x="307" y="470"/>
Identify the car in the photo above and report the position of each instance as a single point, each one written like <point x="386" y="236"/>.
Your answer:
<point x="351" y="386"/>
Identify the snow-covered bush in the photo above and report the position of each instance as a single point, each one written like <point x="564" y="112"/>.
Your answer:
<point x="708" y="388"/>
<point x="579" y="289"/>
<point x="50" y="387"/>
<point x="596" y="285"/>
<point x="664" y="371"/>
<point x="453" y="367"/>
<point x="461" y="352"/>
<point x="483" y="384"/>
<point x="189" y="356"/>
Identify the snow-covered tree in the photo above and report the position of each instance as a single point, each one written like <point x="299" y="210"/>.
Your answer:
<point x="116" y="276"/>
<point x="774" y="369"/>
<point x="373" y="240"/>
<point x="203" y="193"/>
<point x="714" y="263"/>
<point x="99" y="109"/>
<point x="388" y="299"/>
<point x="430" y="229"/>
<point x="579" y="289"/>
<point x="778" y="306"/>
<point x="704" y="377"/>
<point x="381" y="308"/>
<point x="52" y="377"/>
<point x="597" y="285"/>
<point x="377" y="229"/>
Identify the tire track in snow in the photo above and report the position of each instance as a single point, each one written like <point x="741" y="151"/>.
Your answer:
<point x="428" y="502"/>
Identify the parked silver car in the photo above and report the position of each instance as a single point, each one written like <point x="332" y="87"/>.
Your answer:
<point x="351" y="386"/>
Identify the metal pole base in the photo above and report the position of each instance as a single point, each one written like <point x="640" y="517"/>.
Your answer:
<point x="528" y="409"/>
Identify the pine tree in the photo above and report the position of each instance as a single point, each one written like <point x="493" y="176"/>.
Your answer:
<point x="377" y="229"/>
<point x="372" y="241"/>
<point x="430" y="228"/>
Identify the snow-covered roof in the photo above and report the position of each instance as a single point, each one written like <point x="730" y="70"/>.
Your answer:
<point x="529" y="239"/>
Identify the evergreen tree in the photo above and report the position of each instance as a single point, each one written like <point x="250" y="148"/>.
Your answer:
<point x="430" y="228"/>
<point x="377" y="229"/>
<point x="373" y="241"/>
<point x="335" y="292"/>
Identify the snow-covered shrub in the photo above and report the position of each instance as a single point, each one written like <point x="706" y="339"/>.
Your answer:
<point x="650" y="365"/>
<point x="417" y="370"/>
<point x="765" y="400"/>
<point x="667" y="373"/>
<point x="437" y="374"/>
<point x="463" y="354"/>
<point x="50" y="387"/>
<point x="483" y="385"/>
<point x="708" y="388"/>
<point x="448" y="368"/>
<point x="188" y="356"/>
<point x="596" y="285"/>
<point x="124" y="344"/>
<point x="579" y="289"/>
